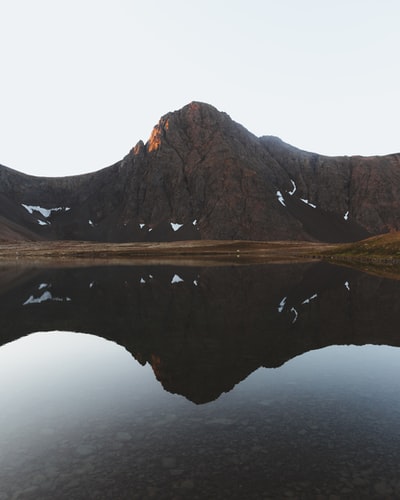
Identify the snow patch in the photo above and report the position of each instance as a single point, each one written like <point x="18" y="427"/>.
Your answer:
<point x="195" y="283"/>
<point x="280" y="198"/>
<point x="141" y="226"/>
<point x="194" y="222"/>
<point x="346" y="215"/>
<point x="142" y="281"/>
<point x="294" y="188"/>
<point x="308" y="203"/>
<point x="175" y="226"/>
<point x="43" y="285"/>
<point x="282" y="304"/>
<point x="347" y="285"/>
<point x="46" y="212"/>
<point x="42" y="222"/>
<point x="91" y="284"/>
<point x="307" y="301"/>
<point x="90" y="222"/>
<point x="45" y="297"/>
<point x="31" y="208"/>
<point x="296" y="314"/>
<point x="176" y="279"/>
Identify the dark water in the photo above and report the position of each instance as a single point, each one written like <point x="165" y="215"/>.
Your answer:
<point x="272" y="381"/>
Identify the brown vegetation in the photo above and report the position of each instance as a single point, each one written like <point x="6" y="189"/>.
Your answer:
<point x="184" y="251"/>
<point x="385" y="247"/>
<point x="379" y="254"/>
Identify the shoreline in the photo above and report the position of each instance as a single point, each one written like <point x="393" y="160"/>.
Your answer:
<point x="199" y="250"/>
<point x="193" y="253"/>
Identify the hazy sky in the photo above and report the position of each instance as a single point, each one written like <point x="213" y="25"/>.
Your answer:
<point x="83" y="80"/>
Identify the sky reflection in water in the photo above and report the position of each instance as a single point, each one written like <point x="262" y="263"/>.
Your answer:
<point x="79" y="402"/>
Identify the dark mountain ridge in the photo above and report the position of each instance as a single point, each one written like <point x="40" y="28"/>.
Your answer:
<point x="204" y="329"/>
<point x="203" y="176"/>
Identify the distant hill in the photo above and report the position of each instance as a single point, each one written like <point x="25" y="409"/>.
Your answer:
<point x="381" y="247"/>
<point x="203" y="176"/>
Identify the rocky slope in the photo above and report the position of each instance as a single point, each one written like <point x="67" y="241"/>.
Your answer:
<point x="203" y="176"/>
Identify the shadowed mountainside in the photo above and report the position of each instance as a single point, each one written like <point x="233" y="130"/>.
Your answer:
<point x="203" y="176"/>
<point x="204" y="329"/>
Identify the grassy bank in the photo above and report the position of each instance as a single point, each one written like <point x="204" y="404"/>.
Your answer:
<point x="379" y="252"/>
<point x="234" y="251"/>
<point x="383" y="248"/>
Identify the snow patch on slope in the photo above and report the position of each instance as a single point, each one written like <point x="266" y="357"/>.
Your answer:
<point x="175" y="226"/>
<point x="307" y="301"/>
<point x="46" y="296"/>
<point x="282" y="304"/>
<point x="296" y="314"/>
<point x="308" y="203"/>
<point x="280" y="198"/>
<point x="176" y="279"/>
<point x="46" y="212"/>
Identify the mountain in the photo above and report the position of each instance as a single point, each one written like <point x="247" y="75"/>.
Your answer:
<point x="203" y="176"/>
<point x="204" y="329"/>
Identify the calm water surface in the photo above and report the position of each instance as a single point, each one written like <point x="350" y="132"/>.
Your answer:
<point x="224" y="382"/>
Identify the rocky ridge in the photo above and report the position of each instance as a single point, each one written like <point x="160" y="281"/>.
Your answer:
<point x="203" y="176"/>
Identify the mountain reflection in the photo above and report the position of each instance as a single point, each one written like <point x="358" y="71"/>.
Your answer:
<point x="204" y="329"/>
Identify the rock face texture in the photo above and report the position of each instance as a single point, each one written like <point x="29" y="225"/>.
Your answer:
<point x="203" y="176"/>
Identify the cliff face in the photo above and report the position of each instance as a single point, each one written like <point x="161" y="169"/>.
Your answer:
<point x="201" y="175"/>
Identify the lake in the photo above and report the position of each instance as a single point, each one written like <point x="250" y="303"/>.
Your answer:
<point x="175" y="382"/>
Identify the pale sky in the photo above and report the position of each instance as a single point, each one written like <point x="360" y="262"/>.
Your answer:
<point x="82" y="81"/>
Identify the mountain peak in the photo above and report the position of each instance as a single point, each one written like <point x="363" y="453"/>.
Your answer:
<point x="194" y="110"/>
<point x="199" y="110"/>
<point x="196" y="121"/>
